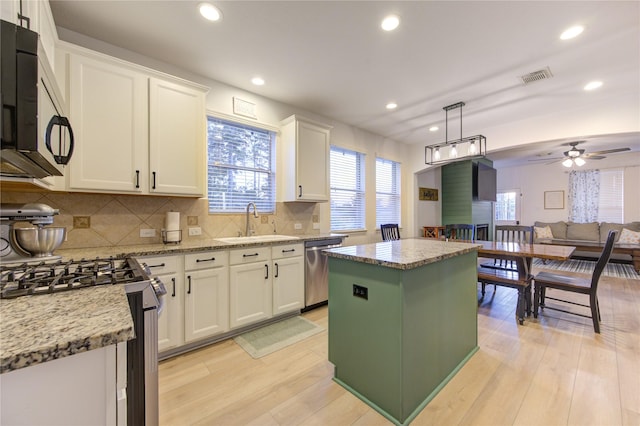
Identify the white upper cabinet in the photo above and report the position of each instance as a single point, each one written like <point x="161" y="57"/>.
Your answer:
<point x="134" y="132"/>
<point x="108" y="110"/>
<point x="177" y="138"/>
<point x="40" y="20"/>
<point x="305" y="154"/>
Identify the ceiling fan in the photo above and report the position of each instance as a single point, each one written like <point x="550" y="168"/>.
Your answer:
<point x="577" y="156"/>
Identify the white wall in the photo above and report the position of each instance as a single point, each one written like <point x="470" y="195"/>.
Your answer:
<point x="428" y="213"/>
<point x="534" y="180"/>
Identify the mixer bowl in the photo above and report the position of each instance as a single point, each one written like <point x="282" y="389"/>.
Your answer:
<point x="39" y="242"/>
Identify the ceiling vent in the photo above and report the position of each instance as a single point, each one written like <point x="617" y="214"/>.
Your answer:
<point x="536" y="76"/>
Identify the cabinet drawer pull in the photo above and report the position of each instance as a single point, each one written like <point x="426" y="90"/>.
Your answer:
<point x="277" y="271"/>
<point x="299" y="190"/>
<point x="157" y="266"/>
<point x="173" y="293"/>
<point x="266" y="267"/>
<point x="289" y="251"/>
<point x="205" y="260"/>
<point x="249" y="255"/>
<point x="154" y="180"/>
<point x="137" y="179"/>
<point x="189" y="279"/>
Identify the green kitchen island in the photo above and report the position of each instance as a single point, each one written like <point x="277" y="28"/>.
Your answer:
<point x="402" y="320"/>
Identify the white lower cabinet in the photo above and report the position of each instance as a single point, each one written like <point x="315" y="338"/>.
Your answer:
<point x="87" y="388"/>
<point x="250" y="285"/>
<point x="210" y="293"/>
<point x="196" y="305"/>
<point x="288" y="278"/>
<point x="206" y="302"/>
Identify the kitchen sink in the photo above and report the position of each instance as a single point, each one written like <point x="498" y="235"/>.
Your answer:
<point x="256" y="239"/>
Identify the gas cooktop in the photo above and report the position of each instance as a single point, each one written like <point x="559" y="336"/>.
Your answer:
<point x="50" y="277"/>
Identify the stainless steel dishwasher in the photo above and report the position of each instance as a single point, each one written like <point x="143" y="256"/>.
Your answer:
<point x="316" y="271"/>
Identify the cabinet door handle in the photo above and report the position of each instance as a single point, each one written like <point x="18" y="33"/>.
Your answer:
<point x="137" y="179"/>
<point x="205" y="260"/>
<point x="156" y="266"/>
<point x="277" y="271"/>
<point x="299" y="191"/>
<point x="189" y="279"/>
<point x="289" y="251"/>
<point x="154" y="180"/>
<point x="173" y="293"/>
<point x="249" y="255"/>
<point x="266" y="267"/>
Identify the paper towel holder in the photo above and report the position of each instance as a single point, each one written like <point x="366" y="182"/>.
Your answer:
<point x="169" y="237"/>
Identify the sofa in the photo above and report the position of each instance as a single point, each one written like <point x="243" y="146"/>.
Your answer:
<point x="588" y="238"/>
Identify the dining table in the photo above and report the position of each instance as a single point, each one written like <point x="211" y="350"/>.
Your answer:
<point x="522" y="255"/>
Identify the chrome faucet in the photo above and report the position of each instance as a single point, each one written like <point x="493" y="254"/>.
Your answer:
<point x="255" y="214"/>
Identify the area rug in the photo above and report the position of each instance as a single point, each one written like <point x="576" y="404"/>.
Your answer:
<point x="270" y="338"/>
<point x="618" y="270"/>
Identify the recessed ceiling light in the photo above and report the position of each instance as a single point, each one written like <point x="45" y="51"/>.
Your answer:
<point x="390" y="23"/>
<point x="210" y="12"/>
<point x="433" y="128"/>
<point x="392" y="105"/>
<point x="258" y="81"/>
<point x="572" y="32"/>
<point x="593" y="85"/>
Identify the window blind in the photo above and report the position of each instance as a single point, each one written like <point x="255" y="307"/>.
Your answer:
<point x="347" y="189"/>
<point x="387" y="192"/>
<point x="240" y="167"/>
<point x="611" y="197"/>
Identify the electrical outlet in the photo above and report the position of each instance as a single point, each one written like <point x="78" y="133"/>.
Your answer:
<point x="359" y="291"/>
<point x="297" y="226"/>
<point x="196" y="230"/>
<point x="147" y="233"/>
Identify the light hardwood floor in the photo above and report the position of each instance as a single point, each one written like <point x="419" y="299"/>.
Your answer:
<point x="551" y="371"/>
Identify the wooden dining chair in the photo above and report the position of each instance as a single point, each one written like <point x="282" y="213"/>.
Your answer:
<point x="509" y="234"/>
<point x="390" y="231"/>
<point x="574" y="284"/>
<point x="461" y="231"/>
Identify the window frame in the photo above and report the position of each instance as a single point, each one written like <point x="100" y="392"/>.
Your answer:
<point x="359" y="191"/>
<point x="394" y="194"/>
<point x="271" y="172"/>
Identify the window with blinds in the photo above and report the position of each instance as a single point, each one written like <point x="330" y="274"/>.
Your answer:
<point x="347" y="189"/>
<point x="387" y="192"/>
<point x="611" y="198"/>
<point x="240" y="167"/>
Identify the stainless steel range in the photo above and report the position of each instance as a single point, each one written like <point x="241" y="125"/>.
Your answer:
<point x="146" y="299"/>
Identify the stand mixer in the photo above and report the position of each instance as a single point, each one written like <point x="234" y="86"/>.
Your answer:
<point x="38" y="242"/>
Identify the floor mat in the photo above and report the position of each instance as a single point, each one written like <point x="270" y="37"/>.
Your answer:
<point x="270" y="338"/>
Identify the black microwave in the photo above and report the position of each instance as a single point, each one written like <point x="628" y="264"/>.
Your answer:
<point x="32" y="145"/>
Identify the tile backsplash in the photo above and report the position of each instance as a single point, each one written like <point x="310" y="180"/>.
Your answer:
<point x="106" y="220"/>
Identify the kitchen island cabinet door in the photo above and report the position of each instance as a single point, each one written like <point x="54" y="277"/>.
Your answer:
<point x="206" y="303"/>
<point x="108" y="108"/>
<point x="177" y="139"/>
<point x="81" y="389"/>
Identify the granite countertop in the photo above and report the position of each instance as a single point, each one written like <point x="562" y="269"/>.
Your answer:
<point x="181" y="248"/>
<point x="37" y="329"/>
<point x="402" y="254"/>
<point x="41" y="328"/>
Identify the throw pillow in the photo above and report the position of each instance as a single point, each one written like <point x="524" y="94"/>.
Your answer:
<point x="543" y="233"/>
<point x="629" y="237"/>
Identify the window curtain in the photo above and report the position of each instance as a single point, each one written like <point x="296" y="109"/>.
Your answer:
<point x="584" y="193"/>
